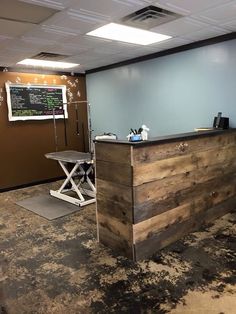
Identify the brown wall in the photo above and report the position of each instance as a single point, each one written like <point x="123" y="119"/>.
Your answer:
<point x="24" y="143"/>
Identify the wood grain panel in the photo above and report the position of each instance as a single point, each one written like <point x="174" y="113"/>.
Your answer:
<point x="174" y="232"/>
<point x="157" y="189"/>
<point x="114" y="172"/>
<point x="150" y="196"/>
<point x="148" y="172"/>
<point x="114" y="225"/>
<point x="159" y="196"/>
<point x="198" y="202"/>
<point x="115" y="200"/>
<point x="118" y="245"/>
<point x="114" y="192"/>
<point x="115" y="209"/>
<point x="117" y="234"/>
<point x="113" y="152"/>
<point x="156" y="152"/>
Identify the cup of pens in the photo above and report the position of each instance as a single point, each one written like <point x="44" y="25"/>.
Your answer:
<point x="135" y="135"/>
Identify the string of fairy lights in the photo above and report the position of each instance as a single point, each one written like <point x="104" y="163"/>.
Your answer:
<point x="45" y="80"/>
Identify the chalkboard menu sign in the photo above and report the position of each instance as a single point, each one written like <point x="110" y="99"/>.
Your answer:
<point x="36" y="102"/>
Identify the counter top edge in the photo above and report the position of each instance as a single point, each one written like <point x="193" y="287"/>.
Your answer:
<point x="168" y="138"/>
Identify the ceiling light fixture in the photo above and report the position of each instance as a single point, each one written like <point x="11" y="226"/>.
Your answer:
<point x="128" y="34"/>
<point x="49" y="64"/>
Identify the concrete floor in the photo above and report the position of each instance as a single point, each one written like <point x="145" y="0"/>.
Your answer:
<point x="58" y="267"/>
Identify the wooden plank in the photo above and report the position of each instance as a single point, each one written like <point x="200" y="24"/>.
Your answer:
<point x="113" y="152"/>
<point x="114" y="172"/>
<point x="159" y="196"/>
<point x="197" y="202"/>
<point x="114" y="225"/>
<point x="118" y="245"/>
<point x="148" y="172"/>
<point x="156" y="152"/>
<point x="157" y="189"/>
<point x="118" y="235"/>
<point x="115" y="209"/>
<point x="155" y="242"/>
<point x="114" y="192"/>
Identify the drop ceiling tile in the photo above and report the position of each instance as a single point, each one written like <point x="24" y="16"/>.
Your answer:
<point x="49" y="34"/>
<point x="95" y="64"/>
<point x="89" y="17"/>
<point x="172" y="43"/>
<point x="187" y="7"/>
<point x="109" y="8"/>
<point x="59" y="30"/>
<point x="37" y="41"/>
<point x="69" y="50"/>
<point x="206" y="33"/>
<point x="180" y="26"/>
<point x="19" y="45"/>
<point x="82" y="57"/>
<point x="120" y="47"/>
<point x="5" y="38"/>
<point x="66" y="19"/>
<point x="24" y="12"/>
<point x="220" y="14"/>
<point x="230" y="25"/>
<point x="7" y="62"/>
<point x="13" y="29"/>
<point x="13" y="55"/>
<point x="86" y="42"/>
<point x="106" y="50"/>
<point x="55" y="4"/>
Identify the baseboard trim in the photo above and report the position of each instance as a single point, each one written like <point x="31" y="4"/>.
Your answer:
<point x="26" y="185"/>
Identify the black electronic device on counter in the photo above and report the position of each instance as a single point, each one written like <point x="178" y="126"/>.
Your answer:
<point x="221" y="122"/>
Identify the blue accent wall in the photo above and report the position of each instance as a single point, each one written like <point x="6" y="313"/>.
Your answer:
<point x="170" y="94"/>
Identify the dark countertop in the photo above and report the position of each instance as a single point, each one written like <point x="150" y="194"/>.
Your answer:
<point x="170" y="138"/>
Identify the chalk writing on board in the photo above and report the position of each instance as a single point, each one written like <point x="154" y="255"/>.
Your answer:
<point x="36" y="102"/>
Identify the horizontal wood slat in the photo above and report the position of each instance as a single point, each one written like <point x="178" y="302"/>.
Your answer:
<point x="174" y="232"/>
<point x="156" y="152"/>
<point x="115" y="209"/>
<point x="114" y="225"/>
<point x="114" y="192"/>
<point x="115" y="233"/>
<point x="197" y="202"/>
<point x="172" y="166"/>
<point x="119" y="245"/>
<point x="114" y="172"/>
<point x="113" y="152"/>
<point x="115" y="200"/>
<point x="156" y="197"/>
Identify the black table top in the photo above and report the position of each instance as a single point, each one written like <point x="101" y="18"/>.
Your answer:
<point x="170" y="138"/>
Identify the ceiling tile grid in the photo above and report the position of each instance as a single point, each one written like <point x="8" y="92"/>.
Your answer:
<point x="60" y="26"/>
<point x="188" y="7"/>
<point x="220" y="14"/>
<point x="180" y="26"/>
<point x="54" y="4"/>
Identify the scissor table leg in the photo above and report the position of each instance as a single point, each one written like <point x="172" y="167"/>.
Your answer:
<point x="80" y="201"/>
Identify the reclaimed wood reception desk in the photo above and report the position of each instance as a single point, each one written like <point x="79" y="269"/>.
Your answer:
<point x="151" y="193"/>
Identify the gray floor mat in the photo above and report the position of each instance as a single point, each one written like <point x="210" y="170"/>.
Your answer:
<point x="48" y="206"/>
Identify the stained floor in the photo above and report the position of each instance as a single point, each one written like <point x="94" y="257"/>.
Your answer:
<point x="58" y="267"/>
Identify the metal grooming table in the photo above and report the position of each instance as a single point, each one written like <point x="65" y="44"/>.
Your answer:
<point x="76" y="160"/>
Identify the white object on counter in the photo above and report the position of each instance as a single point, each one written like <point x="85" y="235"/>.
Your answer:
<point x="106" y="136"/>
<point x="144" y="132"/>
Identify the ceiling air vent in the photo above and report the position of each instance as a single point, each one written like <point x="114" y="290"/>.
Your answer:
<point x="49" y="56"/>
<point x="149" y="17"/>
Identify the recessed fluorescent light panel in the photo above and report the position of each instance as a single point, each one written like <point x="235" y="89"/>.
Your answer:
<point x="128" y="34"/>
<point x="49" y="64"/>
